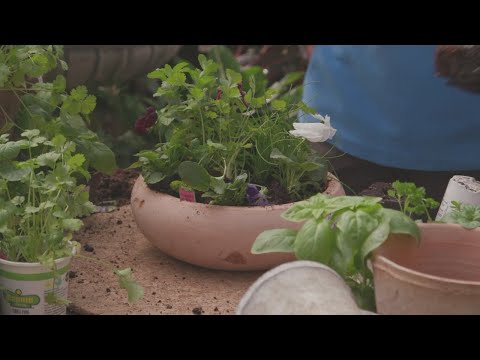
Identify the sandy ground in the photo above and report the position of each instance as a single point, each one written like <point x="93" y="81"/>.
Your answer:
<point x="171" y="286"/>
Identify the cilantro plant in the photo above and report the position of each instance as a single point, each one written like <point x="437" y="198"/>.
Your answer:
<point x="411" y="199"/>
<point x="49" y="107"/>
<point x="465" y="215"/>
<point x="234" y="128"/>
<point x="340" y="232"/>
<point x="41" y="202"/>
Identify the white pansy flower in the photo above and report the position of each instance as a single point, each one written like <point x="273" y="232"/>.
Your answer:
<point x="315" y="132"/>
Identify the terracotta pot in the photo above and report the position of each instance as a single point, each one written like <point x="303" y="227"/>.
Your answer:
<point x="9" y="104"/>
<point x="215" y="237"/>
<point x="441" y="275"/>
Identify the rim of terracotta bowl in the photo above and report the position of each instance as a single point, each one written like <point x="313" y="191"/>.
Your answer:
<point x="333" y="185"/>
<point x="382" y="260"/>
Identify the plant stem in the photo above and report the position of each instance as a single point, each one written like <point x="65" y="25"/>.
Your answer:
<point x="203" y="126"/>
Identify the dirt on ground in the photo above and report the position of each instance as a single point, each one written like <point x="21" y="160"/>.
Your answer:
<point x="171" y="286"/>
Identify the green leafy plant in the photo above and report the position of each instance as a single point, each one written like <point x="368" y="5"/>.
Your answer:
<point x="234" y="127"/>
<point x="411" y="199"/>
<point x="48" y="106"/>
<point x="465" y="215"/>
<point x="340" y="232"/>
<point x="41" y="202"/>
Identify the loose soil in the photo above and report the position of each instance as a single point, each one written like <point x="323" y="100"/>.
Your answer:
<point x="118" y="187"/>
<point x="277" y="195"/>
<point x="171" y="286"/>
<point x="379" y="189"/>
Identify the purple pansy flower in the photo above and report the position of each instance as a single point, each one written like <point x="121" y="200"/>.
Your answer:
<point x="255" y="197"/>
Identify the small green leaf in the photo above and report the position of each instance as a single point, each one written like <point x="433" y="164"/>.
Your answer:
<point x="76" y="161"/>
<point x="18" y="200"/>
<point x="165" y="120"/>
<point x="401" y="223"/>
<point x="279" y="104"/>
<point x="29" y="134"/>
<point x="217" y="185"/>
<point x="58" y="141"/>
<point x="79" y="93"/>
<point x="9" y="172"/>
<point x="234" y="77"/>
<point x="48" y="159"/>
<point x="72" y="224"/>
<point x="31" y="209"/>
<point x="134" y="290"/>
<point x="9" y="151"/>
<point x="60" y="214"/>
<point x="157" y="74"/>
<point x="376" y="238"/>
<point x="64" y="65"/>
<point x="59" y="84"/>
<point x="197" y="93"/>
<point x="154" y="178"/>
<point x="99" y="155"/>
<point x="300" y="211"/>
<point x="465" y="215"/>
<point x="216" y="145"/>
<point x="277" y="240"/>
<point x="277" y="155"/>
<point x="176" y="79"/>
<point x="88" y="105"/>
<point x="135" y="165"/>
<point x="211" y="115"/>
<point x="194" y="175"/>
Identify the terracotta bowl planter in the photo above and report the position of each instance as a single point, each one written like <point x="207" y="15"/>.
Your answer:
<point x="439" y="276"/>
<point x="215" y="237"/>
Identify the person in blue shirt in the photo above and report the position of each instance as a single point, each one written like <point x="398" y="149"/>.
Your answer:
<point x="395" y="118"/>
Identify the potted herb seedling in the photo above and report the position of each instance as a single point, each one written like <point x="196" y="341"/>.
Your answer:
<point x="40" y="208"/>
<point x="230" y="158"/>
<point x="340" y="232"/>
<point x="440" y="275"/>
<point x="39" y="172"/>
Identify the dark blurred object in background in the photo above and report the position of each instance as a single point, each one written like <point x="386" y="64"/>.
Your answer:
<point x="106" y="64"/>
<point x="460" y="64"/>
<point x="278" y="60"/>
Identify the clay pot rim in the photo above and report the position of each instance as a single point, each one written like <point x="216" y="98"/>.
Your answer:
<point x="395" y="269"/>
<point x="333" y="184"/>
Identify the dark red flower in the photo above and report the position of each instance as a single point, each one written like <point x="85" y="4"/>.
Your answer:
<point x="219" y="94"/>
<point x="140" y="126"/>
<point x="145" y="122"/>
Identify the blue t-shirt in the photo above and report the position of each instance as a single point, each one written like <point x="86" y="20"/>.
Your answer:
<point x="390" y="108"/>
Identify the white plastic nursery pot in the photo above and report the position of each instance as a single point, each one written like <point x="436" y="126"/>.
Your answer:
<point x="24" y="286"/>
<point x="440" y="276"/>
<point x="215" y="237"/>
